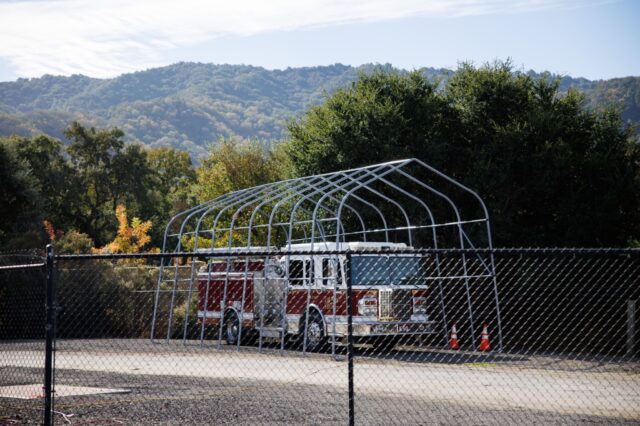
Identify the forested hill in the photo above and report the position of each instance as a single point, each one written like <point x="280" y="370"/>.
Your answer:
<point x="190" y="105"/>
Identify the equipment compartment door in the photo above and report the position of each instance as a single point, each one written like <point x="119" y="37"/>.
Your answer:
<point x="269" y="293"/>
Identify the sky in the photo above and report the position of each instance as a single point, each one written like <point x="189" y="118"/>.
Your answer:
<point x="595" y="39"/>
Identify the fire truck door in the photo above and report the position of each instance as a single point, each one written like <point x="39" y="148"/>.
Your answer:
<point x="269" y="292"/>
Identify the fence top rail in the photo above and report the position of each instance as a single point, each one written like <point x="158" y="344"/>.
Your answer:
<point x="22" y="266"/>
<point x="365" y="251"/>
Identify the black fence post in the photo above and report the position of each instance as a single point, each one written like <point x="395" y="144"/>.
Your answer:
<point x="49" y="336"/>
<point x="350" y="339"/>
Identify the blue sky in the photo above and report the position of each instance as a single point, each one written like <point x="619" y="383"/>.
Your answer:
<point x="589" y="38"/>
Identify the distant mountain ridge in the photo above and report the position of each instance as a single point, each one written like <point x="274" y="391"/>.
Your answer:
<point x="191" y="105"/>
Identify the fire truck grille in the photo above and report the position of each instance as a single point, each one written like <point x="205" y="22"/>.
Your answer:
<point x="402" y="304"/>
<point x="386" y="304"/>
<point x="395" y="304"/>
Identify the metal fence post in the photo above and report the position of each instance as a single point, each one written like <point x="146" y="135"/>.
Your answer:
<point x="49" y="337"/>
<point x="350" y="339"/>
<point x="631" y="328"/>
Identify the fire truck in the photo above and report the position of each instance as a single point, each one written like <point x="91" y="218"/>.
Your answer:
<point x="304" y="296"/>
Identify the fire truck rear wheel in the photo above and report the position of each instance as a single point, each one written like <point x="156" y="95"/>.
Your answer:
<point x="231" y="328"/>
<point x="315" y="333"/>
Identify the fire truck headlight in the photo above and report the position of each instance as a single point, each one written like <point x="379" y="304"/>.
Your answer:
<point x="420" y="306"/>
<point x="368" y="306"/>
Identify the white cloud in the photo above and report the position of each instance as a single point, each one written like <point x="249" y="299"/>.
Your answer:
<point x="106" y="38"/>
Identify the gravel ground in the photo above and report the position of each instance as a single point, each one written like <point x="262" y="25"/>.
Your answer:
<point x="176" y="400"/>
<point x="172" y="384"/>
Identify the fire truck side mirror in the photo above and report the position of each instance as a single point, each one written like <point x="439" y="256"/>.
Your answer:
<point x="276" y="270"/>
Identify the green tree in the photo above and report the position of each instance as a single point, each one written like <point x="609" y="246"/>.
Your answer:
<point x="135" y="182"/>
<point x="52" y="172"/>
<point x="383" y="116"/>
<point x="234" y="165"/>
<point x="78" y="186"/>
<point x="551" y="171"/>
<point x="21" y="201"/>
<point x="174" y="168"/>
<point x="106" y="174"/>
<point x="73" y="242"/>
<point x="174" y="176"/>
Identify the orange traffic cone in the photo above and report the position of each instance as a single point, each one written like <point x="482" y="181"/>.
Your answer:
<point x="453" y="341"/>
<point x="484" y="338"/>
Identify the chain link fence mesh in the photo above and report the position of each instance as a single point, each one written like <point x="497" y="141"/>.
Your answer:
<point x="264" y="338"/>
<point x="22" y="343"/>
<point x="568" y="354"/>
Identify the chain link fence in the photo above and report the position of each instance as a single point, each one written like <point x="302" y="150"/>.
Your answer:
<point x="22" y="336"/>
<point x="370" y="337"/>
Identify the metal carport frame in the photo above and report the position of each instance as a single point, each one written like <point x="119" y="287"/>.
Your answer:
<point x="398" y="201"/>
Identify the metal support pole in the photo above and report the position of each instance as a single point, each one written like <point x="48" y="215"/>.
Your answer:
<point x="631" y="327"/>
<point x="49" y="331"/>
<point x="244" y="296"/>
<point x="223" y="307"/>
<point x="205" y="308"/>
<point x="156" y="300"/>
<point x="350" y="339"/>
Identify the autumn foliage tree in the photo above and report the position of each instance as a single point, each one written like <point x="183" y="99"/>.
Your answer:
<point x="131" y="237"/>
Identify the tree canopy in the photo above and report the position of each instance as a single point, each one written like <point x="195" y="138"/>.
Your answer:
<point x="233" y="165"/>
<point x="20" y="198"/>
<point x="77" y="187"/>
<point x="67" y="193"/>
<point x="191" y="105"/>
<point x="551" y="171"/>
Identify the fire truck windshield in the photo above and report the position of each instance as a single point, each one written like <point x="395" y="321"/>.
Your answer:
<point x="386" y="270"/>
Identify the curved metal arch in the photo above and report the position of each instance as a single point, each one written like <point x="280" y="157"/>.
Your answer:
<point x="303" y="197"/>
<point x="384" y="197"/>
<point x="296" y="206"/>
<point x="390" y="168"/>
<point x="338" y="215"/>
<point x="489" y="236"/>
<point x="193" y="264"/>
<point x="313" y="221"/>
<point x="308" y="185"/>
<point x="272" y="215"/>
<point x="265" y="202"/>
<point x="364" y="227"/>
<point x="462" y="236"/>
<point x="374" y="207"/>
<point x="334" y="184"/>
<point x="246" y="193"/>
<point x="456" y="183"/>
<point x="454" y="207"/>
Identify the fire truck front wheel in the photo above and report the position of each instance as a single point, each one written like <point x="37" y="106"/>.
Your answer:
<point x="315" y="333"/>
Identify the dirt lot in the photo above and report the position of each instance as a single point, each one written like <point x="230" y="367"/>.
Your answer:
<point x="172" y="383"/>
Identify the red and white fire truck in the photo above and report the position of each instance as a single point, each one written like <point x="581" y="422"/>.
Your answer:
<point x="304" y="296"/>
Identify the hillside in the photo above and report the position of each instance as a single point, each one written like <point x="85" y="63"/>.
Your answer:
<point x="190" y="105"/>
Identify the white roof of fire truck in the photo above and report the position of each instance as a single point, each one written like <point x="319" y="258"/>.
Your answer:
<point x="353" y="245"/>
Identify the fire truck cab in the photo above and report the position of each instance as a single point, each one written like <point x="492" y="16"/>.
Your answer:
<point x="304" y="296"/>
